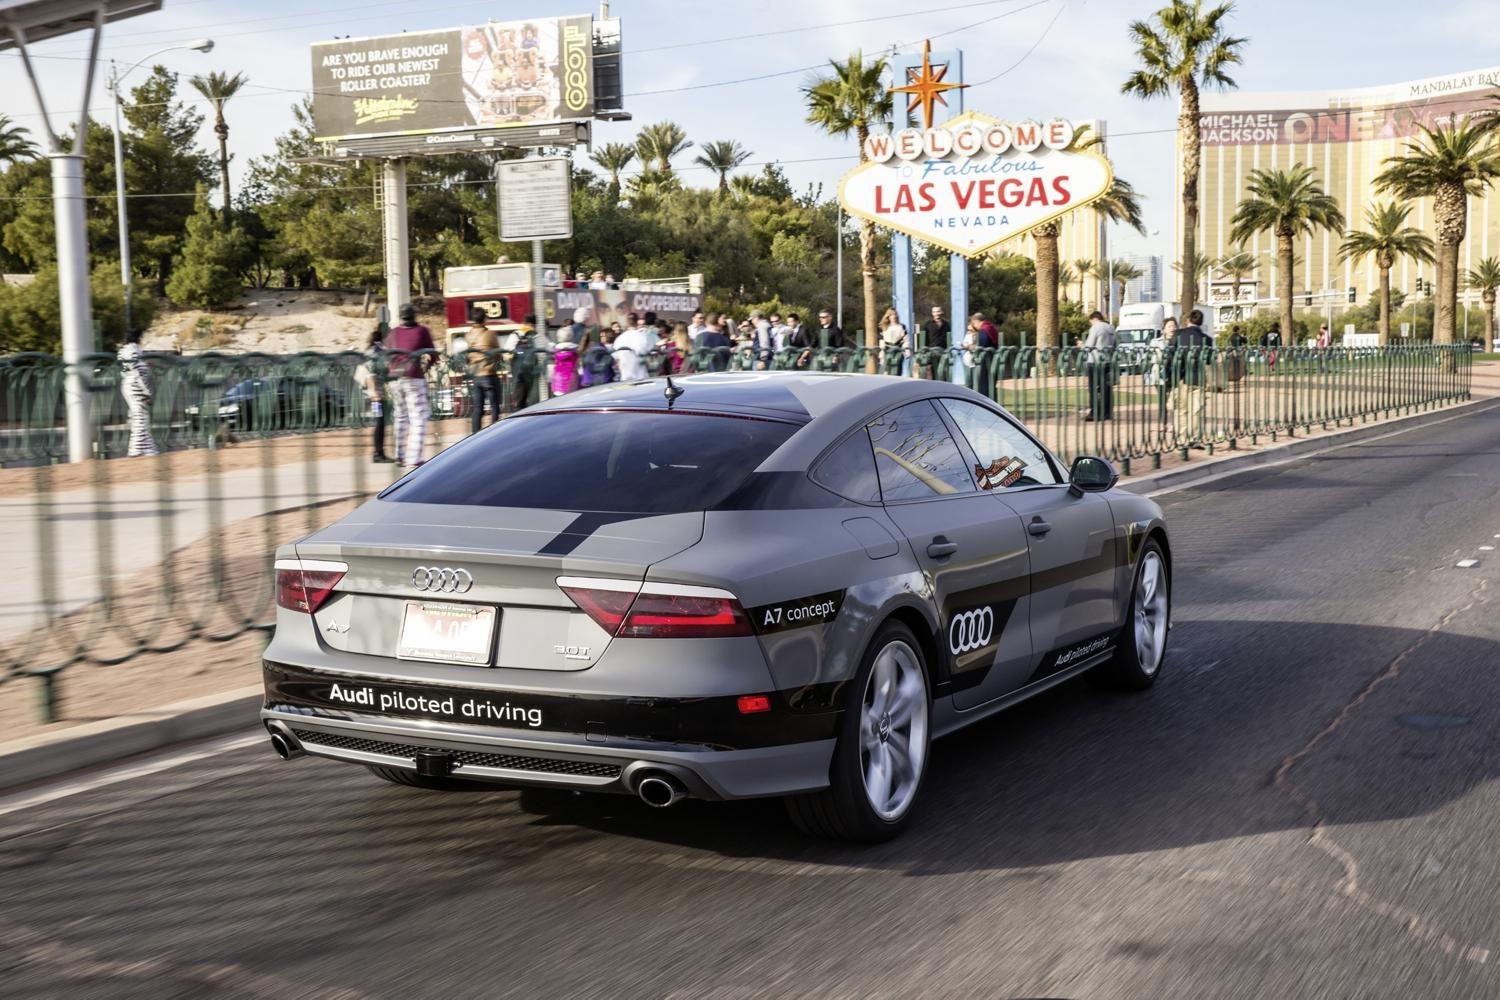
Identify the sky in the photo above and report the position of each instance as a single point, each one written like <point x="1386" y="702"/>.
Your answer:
<point x="1039" y="58"/>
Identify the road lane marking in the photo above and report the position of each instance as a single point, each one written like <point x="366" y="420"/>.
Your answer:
<point x="127" y="772"/>
<point x="1467" y="563"/>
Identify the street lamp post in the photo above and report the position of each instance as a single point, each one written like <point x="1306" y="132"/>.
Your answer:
<point x="201" y="45"/>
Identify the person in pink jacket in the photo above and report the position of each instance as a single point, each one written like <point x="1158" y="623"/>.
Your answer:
<point x="570" y="346"/>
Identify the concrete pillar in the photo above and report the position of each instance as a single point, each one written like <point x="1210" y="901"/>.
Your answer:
<point x="75" y="299"/>
<point x="397" y="253"/>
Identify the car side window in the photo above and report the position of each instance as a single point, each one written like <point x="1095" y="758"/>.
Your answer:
<point x="849" y="470"/>
<point x="1007" y="456"/>
<point x="916" y="456"/>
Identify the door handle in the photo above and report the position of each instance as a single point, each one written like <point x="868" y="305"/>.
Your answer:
<point x="1038" y="527"/>
<point x="941" y="548"/>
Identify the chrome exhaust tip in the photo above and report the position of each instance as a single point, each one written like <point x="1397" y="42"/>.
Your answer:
<point x="282" y="741"/>
<point x="659" y="791"/>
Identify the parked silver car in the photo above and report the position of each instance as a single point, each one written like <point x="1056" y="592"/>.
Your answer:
<point x="727" y="585"/>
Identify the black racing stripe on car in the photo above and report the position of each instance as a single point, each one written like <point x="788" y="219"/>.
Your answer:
<point x="801" y="612"/>
<point x="579" y="529"/>
<point x="798" y="715"/>
<point x="1106" y="559"/>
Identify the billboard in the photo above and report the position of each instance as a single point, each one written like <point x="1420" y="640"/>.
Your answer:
<point x="504" y="74"/>
<point x="974" y="182"/>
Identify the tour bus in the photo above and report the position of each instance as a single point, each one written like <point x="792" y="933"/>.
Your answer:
<point x="503" y="292"/>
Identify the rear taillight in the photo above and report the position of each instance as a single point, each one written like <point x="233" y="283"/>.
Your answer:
<point x="305" y="584"/>
<point x="658" y="610"/>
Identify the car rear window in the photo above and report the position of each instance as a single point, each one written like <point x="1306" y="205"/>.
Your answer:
<point x="611" y="461"/>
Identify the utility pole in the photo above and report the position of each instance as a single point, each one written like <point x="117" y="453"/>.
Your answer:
<point x="397" y="253"/>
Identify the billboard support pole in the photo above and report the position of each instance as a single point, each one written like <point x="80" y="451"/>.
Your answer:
<point x="538" y="294"/>
<point x="397" y="255"/>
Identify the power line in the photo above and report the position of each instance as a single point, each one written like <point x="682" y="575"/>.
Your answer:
<point x="1027" y="54"/>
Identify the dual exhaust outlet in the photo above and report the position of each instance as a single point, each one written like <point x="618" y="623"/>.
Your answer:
<point x="657" y="789"/>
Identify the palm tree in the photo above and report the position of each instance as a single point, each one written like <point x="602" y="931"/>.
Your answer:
<point x="613" y="158"/>
<point x="722" y="157"/>
<point x="218" y="88"/>
<point x="648" y="189"/>
<point x="850" y="100"/>
<point x="661" y="142"/>
<point x="14" y="144"/>
<point x="1387" y="239"/>
<point x="1486" y="278"/>
<point x="1184" y="47"/>
<point x="1083" y="268"/>
<point x="1447" y="164"/>
<point x="1287" y="203"/>
<point x="1119" y="204"/>
<point x="1237" y="266"/>
<point x="1124" y="272"/>
<point x="1065" y="278"/>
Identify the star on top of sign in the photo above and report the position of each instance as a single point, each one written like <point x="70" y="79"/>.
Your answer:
<point x="927" y="88"/>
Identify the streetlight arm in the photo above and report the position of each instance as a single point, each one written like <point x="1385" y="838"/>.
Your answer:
<point x="201" y="45"/>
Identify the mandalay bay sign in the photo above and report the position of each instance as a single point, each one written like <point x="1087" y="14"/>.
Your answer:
<point x="974" y="182"/>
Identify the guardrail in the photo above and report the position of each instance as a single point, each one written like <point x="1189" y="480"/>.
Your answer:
<point x="112" y="560"/>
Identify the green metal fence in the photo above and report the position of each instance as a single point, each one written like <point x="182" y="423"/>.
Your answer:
<point x="111" y="560"/>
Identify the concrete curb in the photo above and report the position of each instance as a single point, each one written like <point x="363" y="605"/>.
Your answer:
<point x="1198" y="473"/>
<point x="109" y="741"/>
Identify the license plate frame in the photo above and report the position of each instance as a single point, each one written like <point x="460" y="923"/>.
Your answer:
<point x="470" y="654"/>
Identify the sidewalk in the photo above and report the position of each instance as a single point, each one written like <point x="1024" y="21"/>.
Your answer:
<point x="202" y="667"/>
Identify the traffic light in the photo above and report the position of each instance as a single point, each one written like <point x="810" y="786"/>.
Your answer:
<point x="1351" y="295"/>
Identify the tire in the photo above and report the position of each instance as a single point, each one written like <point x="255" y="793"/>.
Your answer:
<point x="1142" y="647"/>
<point x="401" y="776"/>
<point x="892" y="671"/>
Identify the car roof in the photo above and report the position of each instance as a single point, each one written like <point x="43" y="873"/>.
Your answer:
<point x="786" y="394"/>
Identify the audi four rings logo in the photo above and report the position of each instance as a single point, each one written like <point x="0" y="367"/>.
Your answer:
<point x="442" y="579"/>
<point x="971" y="630"/>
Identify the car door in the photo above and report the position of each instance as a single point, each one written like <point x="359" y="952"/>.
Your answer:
<point x="1074" y="604"/>
<point x="971" y="548"/>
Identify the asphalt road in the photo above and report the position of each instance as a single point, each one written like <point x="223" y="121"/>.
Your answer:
<point x="1304" y="806"/>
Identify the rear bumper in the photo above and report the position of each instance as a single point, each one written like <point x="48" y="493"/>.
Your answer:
<point x="791" y="756"/>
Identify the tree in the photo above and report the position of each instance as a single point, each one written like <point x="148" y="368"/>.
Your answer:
<point x="1119" y="204"/>
<point x="1288" y="204"/>
<point x="613" y="158"/>
<point x="1237" y="266"/>
<point x="1083" y="268"/>
<point x="1387" y="239"/>
<point x="218" y="88"/>
<point x="1123" y="272"/>
<point x="14" y="144"/>
<point x="208" y="272"/>
<point x="162" y="159"/>
<point x="1447" y="164"/>
<point x="1065" y="278"/>
<point x="1184" y="47"/>
<point x="850" y="99"/>
<point x="1485" y="276"/>
<point x="722" y="157"/>
<point x="661" y="142"/>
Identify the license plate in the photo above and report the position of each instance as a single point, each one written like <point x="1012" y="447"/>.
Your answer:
<point x="447" y="633"/>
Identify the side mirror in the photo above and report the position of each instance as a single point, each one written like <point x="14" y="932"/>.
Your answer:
<point x="1091" y="475"/>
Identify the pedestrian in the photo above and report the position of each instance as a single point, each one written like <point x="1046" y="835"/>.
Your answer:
<point x="828" y="343"/>
<point x="1325" y="341"/>
<point x="698" y="325"/>
<point x="716" y="341"/>
<point x="526" y="365"/>
<point x="1165" y="376"/>
<point x="565" y="366"/>
<point x="793" y="330"/>
<point x="936" y="333"/>
<point x="632" y="349"/>
<point x="137" y="387"/>
<point x="893" y="344"/>
<point x="407" y="341"/>
<point x="1190" y="358"/>
<point x="374" y="386"/>
<point x="680" y="353"/>
<point x="597" y="361"/>
<point x="1237" y="342"/>
<point x="759" y="339"/>
<point x="484" y="347"/>
<point x="1270" y="343"/>
<point x="1099" y="359"/>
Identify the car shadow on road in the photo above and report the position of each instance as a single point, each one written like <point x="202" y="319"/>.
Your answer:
<point x="1081" y="772"/>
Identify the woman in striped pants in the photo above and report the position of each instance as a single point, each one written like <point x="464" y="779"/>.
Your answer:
<point x="136" y="387"/>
